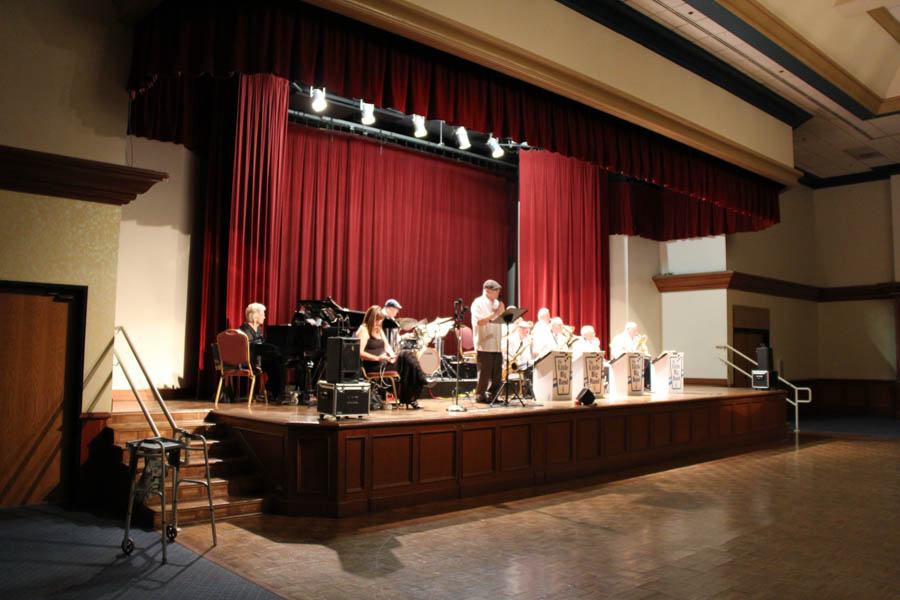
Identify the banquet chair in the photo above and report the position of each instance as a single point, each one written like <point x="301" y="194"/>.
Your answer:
<point x="234" y="361"/>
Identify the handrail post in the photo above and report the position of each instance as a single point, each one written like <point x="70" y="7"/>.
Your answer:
<point x="157" y="396"/>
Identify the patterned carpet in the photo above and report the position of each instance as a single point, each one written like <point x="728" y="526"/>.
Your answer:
<point x="49" y="552"/>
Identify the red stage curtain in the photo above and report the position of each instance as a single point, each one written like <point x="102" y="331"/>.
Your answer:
<point x="564" y="240"/>
<point x="306" y="44"/>
<point x="361" y="222"/>
<point x="258" y="161"/>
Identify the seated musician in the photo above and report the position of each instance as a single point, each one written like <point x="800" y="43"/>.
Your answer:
<point x="266" y="356"/>
<point x="627" y="341"/>
<point x="560" y="338"/>
<point x="376" y="355"/>
<point x="389" y="326"/>
<point x="541" y="334"/>
<point x="587" y="342"/>
<point x="520" y="344"/>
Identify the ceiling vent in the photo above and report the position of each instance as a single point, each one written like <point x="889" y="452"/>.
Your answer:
<point x="864" y="153"/>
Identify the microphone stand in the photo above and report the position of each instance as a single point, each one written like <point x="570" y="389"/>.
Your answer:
<point x="458" y="311"/>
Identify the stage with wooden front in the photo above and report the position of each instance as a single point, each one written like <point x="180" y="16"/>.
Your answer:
<point x="399" y="457"/>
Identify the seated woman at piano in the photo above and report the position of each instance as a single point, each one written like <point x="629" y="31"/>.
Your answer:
<point x="377" y="355"/>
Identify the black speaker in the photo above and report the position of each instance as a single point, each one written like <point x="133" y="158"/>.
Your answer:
<point x="764" y="358"/>
<point x="586" y="397"/>
<point x="342" y="360"/>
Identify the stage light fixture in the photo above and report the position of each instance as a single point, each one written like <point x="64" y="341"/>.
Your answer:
<point x="462" y="137"/>
<point x="494" y="145"/>
<point x="419" y="124"/>
<point x="368" y="113"/>
<point x="318" y="99"/>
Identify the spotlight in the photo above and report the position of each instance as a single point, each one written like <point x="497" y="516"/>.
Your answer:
<point x="368" y="113"/>
<point x="494" y="145"/>
<point x="463" y="138"/>
<point x="318" y="99"/>
<point x="419" y="124"/>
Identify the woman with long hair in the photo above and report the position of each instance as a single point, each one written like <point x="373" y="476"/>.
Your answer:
<point x="377" y="355"/>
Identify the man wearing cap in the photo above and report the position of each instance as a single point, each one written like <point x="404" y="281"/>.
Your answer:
<point x="390" y="327"/>
<point x="489" y="358"/>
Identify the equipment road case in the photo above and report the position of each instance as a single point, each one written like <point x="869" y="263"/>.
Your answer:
<point x="343" y="399"/>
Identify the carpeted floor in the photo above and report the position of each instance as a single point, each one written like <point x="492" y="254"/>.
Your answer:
<point x="876" y="426"/>
<point x="49" y="552"/>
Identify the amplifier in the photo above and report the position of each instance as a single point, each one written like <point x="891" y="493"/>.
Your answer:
<point x="763" y="380"/>
<point x="343" y="399"/>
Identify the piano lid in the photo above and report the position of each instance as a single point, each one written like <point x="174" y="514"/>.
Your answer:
<point x="326" y="312"/>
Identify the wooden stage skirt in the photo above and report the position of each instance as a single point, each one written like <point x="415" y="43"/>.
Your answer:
<point x="400" y="457"/>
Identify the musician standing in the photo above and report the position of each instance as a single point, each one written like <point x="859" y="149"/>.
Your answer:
<point x="389" y="325"/>
<point x="488" y="356"/>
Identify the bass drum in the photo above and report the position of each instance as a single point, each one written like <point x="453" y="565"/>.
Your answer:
<point x="429" y="360"/>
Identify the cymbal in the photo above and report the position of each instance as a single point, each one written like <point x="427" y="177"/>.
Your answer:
<point x="440" y="320"/>
<point x="406" y="322"/>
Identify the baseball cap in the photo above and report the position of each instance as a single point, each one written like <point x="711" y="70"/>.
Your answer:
<point x="392" y="303"/>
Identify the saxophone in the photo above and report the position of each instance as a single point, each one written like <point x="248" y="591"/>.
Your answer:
<point x="514" y="366"/>
<point x="642" y="345"/>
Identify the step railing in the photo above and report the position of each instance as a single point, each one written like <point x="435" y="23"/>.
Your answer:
<point x="796" y="402"/>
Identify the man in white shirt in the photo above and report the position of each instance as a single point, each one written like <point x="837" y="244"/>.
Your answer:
<point x="626" y="341"/>
<point x="488" y="355"/>
<point x="588" y="342"/>
<point x="520" y="344"/>
<point x="541" y="334"/>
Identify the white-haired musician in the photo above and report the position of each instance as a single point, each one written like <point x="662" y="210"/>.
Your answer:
<point x="587" y="342"/>
<point x="627" y="341"/>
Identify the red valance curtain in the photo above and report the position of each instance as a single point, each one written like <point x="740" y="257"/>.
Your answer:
<point x="361" y="222"/>
<point x="303" y="43"/>
<point x="564" y="240"/>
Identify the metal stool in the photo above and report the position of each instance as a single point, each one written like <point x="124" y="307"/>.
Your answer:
<point x="161" y="454"/>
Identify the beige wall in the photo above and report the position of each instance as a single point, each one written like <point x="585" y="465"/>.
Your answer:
<point x="617" y="62"/>
<point x="55" y="240"/>
<point x="696" y="255"/>
<point x="64" y="71"/>
<point x="854" y="237"/>
<point x="785" y="251"/>
<point x="695" y="323"/>
<point x="633" y="295"/>
<point x="154" y="254"/>
<point x="857" y="340"/>
<point x="793" y="332"/>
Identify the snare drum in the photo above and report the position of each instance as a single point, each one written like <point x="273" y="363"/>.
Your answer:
<point x="429" y="360"/>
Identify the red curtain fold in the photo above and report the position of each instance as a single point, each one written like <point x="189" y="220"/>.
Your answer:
<point x="564" y="240"/>
<point x="361" y="222"/>
<point x="258" y="160"/>
<point x="303" y="43"/>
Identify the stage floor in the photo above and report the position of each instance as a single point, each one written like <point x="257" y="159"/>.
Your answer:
<point x="437" y="409"/>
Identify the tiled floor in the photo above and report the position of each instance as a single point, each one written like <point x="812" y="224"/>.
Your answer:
<point x="819" y="520"/>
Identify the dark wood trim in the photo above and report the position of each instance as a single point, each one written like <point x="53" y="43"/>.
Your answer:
<point x="705" y="381"/>
<point x="718" y="280"/>
<point x="745" y="282"/>
<point x="875" y="291"/>
<point x="48" y="174"/>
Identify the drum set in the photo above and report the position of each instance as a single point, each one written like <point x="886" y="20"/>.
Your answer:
<point x="418" y="337"/>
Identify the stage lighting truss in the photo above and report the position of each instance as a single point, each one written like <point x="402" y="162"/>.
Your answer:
<point x="318" y="99"/>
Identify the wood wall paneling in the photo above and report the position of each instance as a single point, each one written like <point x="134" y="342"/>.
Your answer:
<point x="392" y="460"/>
<point x="515" y="447"/>
<point x="355" y="461"/>
<point x="437" y="456"/>
<point x="614" y="436"/>
<point x="313" y="465"/>
<point x="588" y="439"/>
<point x="478" y="450"/>
<point x="559" y="442"/>
<point x="681" y="427"/>
<point x="700" y="424"/>
<point x="638" y="432"/>
<point x="661" y="429"/>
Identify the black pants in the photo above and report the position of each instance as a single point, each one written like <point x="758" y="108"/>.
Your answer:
<point x="490" y="375"/>
<point x="270" y="359"/>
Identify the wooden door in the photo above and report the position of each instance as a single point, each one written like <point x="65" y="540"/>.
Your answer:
<point x="35" y="419"/>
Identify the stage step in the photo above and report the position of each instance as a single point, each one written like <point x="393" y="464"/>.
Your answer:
<point x="236" y="489"/>
<point x="197" y="511"/>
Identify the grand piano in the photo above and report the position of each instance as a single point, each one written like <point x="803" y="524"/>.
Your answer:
<point x="303" y="343"/>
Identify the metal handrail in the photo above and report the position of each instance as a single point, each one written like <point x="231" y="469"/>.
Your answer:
<point x="156" y="394"/>
<point x="796" y="402"/>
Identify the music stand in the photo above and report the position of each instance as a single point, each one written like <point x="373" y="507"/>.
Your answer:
<point x="510" y="315"/>
<point x="459" y="310"/>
